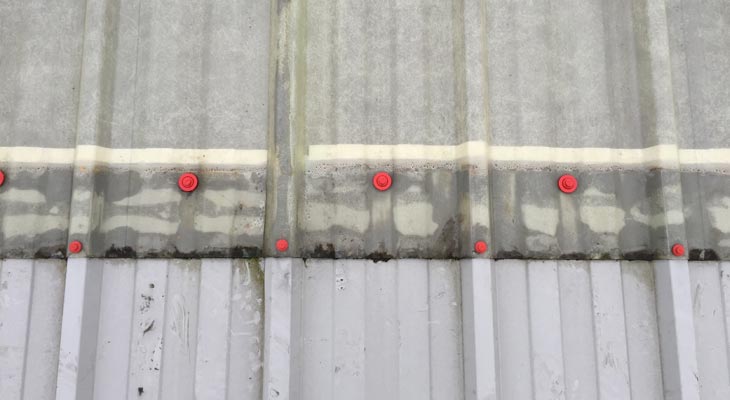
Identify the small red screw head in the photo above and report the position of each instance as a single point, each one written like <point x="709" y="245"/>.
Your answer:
<point x="75" y="247"/>
<point x="678" y="250"/>
<point x="382" y="181"/>
<point x="480" y="247"/>
<point x="2" y="177"/>
<point x="567" y="183"/>
<point x="188" y="182"/>
<point x="282" y="245"/>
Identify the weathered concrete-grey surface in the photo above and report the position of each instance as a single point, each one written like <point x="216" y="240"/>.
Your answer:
<point x="287" y="109"/>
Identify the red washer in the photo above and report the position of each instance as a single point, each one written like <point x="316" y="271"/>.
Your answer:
<point x="188" y="182"/>
<point x="282" y="245"/>
<point x="75" y="247"/>
<point x="382" y="181"/>
<point x="568" y="183"/>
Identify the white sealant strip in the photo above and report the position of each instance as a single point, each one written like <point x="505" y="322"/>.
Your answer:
<point x="665" y="156"/>
<point x="88" y="154"/>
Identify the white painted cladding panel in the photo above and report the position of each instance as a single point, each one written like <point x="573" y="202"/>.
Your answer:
<point x="162" y="329"/>
<point x="31" y="300"/>
<point x="326" y="329"/>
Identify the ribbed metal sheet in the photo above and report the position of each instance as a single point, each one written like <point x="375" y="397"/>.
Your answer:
<point x="570" y="330"/>
<point x="577" y="330"/>
<point x="362" y="330"/>
<point x="31" y="301"/>
<point x="711" y="308"/>
<point x="508" y="85"/>
<point x="162" y="329"/>
<point x="357" y="329"/>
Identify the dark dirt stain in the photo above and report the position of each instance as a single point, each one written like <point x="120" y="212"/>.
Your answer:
<point x="640" y="255"/>
<point x="120" y="252"/>
<point x="245" y="252"/>
<point x="379" y="256"/>
<point x="140" y="391"/>
<point x="51" y="252"/>
<point x="703" y="255"/>
<point x="509" y="255"/>
<point x="149" y="328"/>
<point x="326" y="250"/>
<point x="147" y="302"/>
<point x="573" y="256"/>
<point x="232" y="252"/>
<point x="448" y="238"/>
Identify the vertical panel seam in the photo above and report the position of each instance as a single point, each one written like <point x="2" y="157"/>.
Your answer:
<point x="163" y="325"/>
<point x="333" y="329"/>
<point x="723" y="302"/>
<point x="626" y="328"/>
<point x="526" y="265"/>
<point x="27" y="329"/>
<point x="131" y="326"/>
<point x="429" y="269"/>
<point x="232" y="265"/>
<point x="558" y="265"/>
<point x="593" y="327"/>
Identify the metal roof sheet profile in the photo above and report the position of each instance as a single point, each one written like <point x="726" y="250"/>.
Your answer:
<point x="326" y="329"/>
<point x="286" y="110"/>
<point x="401" y="199"/>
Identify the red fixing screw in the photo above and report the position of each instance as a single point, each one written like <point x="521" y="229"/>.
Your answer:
<point x="2" y="177"/>
<point x="75" y="247"/>
<point x="188" y="182"/>
<point x="382" y="181"/>
<point x="678" y="250"/>
<point x="567" y="183"/>
<point x="282" y="245"/>
<point x="480" y="247"/>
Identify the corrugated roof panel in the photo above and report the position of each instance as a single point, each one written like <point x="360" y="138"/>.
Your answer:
<point x="286" y="111"/>
<point x="364" y="330"/>
<point x="469" y="329"/>
<point x="172" y="329"/>
<point x="546" y="328"/>
<point x="41" y="45"/>
<point x="476" y="109"/>
<point x="709" y="302"/>
<point x="31" y="301"/>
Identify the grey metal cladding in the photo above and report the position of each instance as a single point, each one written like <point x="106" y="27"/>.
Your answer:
<point x="358" y="329"/>
<point x="285" y="111"/>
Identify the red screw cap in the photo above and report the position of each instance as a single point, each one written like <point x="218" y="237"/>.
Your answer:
<point x="678" y="250"/>
<point x="567" y="183"/>
<point x="382" y="181"/>
<point x="282" y="245"/>
<point x="480" y="247"/>
<point x="188" y="182"/>
<point x="75" y="247"/>
<point x="2" y="178"/>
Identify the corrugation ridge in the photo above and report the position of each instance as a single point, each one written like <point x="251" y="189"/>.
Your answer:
<point x="27" y="326"/>
<point x="429" y="269"/>
<point x="626" y="325"/>
<point x="558" y="265"/>
<point x="530" y="333"/>
<point x="593" y="325"/>
<point x="230" y="327"/>
<point x="725" y="299"/>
